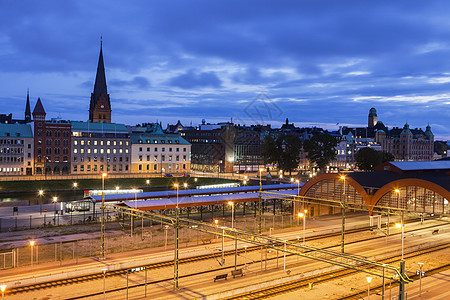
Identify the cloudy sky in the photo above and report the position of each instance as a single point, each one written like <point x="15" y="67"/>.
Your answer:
<point x="317" y="63"/>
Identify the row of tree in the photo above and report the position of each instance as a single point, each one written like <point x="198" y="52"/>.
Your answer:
<point x="284" y="151"/>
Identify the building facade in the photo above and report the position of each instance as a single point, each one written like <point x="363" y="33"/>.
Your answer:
<point x="100" y="147"/>
<point x="51" y="143"/>
<point x="153" y="151"/>
<point x="16" y="149"/>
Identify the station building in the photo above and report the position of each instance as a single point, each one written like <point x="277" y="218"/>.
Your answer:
<point x="420" y="186"/>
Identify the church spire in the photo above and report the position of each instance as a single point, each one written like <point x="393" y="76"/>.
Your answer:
<point x="100" y="106"/>
<point x="27" y="109"/>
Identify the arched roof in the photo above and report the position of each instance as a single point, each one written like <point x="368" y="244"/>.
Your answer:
<point x="334" y="176"/>
<point x="409" y="182"/>
<point x="383" y="184"/>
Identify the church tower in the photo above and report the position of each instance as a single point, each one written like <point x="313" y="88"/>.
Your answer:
<point x="100" y="106"/>
<point x="27" y="109"/>
<point x="372" y="120"/>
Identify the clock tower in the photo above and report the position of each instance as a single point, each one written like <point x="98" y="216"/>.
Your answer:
<point x="100" y="106"/>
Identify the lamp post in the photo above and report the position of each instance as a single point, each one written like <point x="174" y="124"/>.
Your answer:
<point x="303" y="216"/>
<point x="102" y="250"/>
<point x="3" y="289"/>
<point x="40" y="193"/>
<point x="343" y="214"/>
<point x="32" y="242"/>
<point x="260" y="182"/>
<point x="55" y="200"/>
<point x="232" y="213"/>
<point x="104" y="282"/>
<point x="75" y="186"/>
<point x="402" y="226"/>
<point x="420" y="279"/>
<point x="369" y="279"/>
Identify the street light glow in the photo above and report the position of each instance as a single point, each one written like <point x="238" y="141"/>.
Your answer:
<point x="3" y="287"/>
<point x="230" y="203"/>
<point x="41" y="192"/>
<point x="185" y="185"/>
<point x="216" y="221"/>
<point x="75" y="184"/>
<point x="175" y="185"/>
<point x="301" y="215"/>
<point x="104" y="175"/>
<point x="55" y="199"/>
<point x="32" y="243"/>
<point x="397" y="191"/>
<point x="342" y="177"/>
<point x="398" y="225"/>
<point x="369" y="279"/>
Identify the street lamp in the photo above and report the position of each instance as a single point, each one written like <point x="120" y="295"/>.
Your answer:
<point x="303" y="215"/>
<point x="31" y="248"/>
<point x="55" y="200"/>
<point x="3" y="288"/>
<point x="195" y="179"/>
<point x="147" y="182"/>
<point x="402" y="226"/>
<point x="245" y="182"/>
<point x="420" y="279"/>
<point x="232" y="213"/>
<point x="102" y="250"/>
<point x="40" y="193"/>
<point x="260" y="183"/>
<point x="369" y="279"/>
<point x="104" y="282"/>
<point x="185" y="185"/>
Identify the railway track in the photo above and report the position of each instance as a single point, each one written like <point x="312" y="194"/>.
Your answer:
<point x="304" y="282"/>
<point x="97" y="276"/>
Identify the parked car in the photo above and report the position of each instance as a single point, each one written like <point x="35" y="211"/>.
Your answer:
<point x="168" y="175"/>
<point x="186" y="175"/>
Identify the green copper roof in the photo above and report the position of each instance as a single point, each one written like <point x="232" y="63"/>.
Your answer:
<point x="158" y="138"/>
<point x="15" y="131"/>
<point x="98" y="127"/>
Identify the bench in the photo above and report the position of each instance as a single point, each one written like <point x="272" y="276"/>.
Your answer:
<point x="436" y="231"/>
<point x="237" y="273"/>
<point x="223" y="276"/>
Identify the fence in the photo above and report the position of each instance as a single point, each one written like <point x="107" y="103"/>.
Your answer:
<point x="146" y="234"/>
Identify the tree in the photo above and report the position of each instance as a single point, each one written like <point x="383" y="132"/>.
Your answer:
<point x="283" y="151"/>
<point x="291" y="146"/>
<point x="367" y="158"/>
<point x="321" y="149"/>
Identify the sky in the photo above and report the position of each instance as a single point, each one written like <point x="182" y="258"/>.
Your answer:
<point x="317" y="63"/>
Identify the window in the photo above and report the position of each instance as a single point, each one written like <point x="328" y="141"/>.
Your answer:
<point x="140" y="149"/>
<point x="75" y="142"/>
<point x="184" y="149"/>
<point x="140" y="157"/>
<point x="178" y="149"/>
<point x="148" y="157"/>
<point x="170" y="149"/>
<point x="148" y="149"/>
<point x="178" y="157"/>
<point x="163" y="149"/>
<point x="156" y="149"/>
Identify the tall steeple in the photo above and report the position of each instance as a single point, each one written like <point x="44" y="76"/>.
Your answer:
<point x="100" y="106"/>
<point x="27" y="109"/>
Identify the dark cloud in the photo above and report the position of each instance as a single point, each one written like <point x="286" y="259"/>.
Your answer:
<point x="314" y="58"/>
<point x="192" y="79"/>
<point x="138" y="82"/>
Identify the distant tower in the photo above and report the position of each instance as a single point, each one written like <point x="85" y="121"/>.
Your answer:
<point x="372" y="117"/>
<point x="27" y="109"/>
<point x="100" y="106"/>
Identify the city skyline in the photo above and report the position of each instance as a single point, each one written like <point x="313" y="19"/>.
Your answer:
<point x="320" y="63"/>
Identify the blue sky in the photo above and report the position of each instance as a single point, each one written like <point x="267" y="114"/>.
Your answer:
<point x="315" y="62"/>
